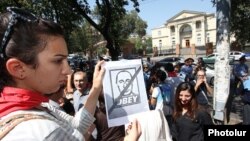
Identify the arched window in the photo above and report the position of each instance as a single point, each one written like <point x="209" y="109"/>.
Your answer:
<point x="186" y="29"/>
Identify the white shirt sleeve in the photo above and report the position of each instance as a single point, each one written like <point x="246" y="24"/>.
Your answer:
<point x="156" y="92"/>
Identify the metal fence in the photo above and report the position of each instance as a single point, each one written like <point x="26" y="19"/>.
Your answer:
<point x="200" y="51"/>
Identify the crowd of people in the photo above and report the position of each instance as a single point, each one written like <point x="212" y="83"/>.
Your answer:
<point x="42" y="99"/>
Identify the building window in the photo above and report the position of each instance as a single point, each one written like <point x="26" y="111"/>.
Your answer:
<point x="186" y="30"/>
<point x="160" y="43"/>
<point x="160" y="46"/>
<point x="173" y="41"/>
<point x="187" y="43"/>
<point x="208" y="37"/>
<point x="198" y="39"/>
<point x="198" y="24"/>
<point x="159" y="33"/>
<point x="172" y="28"/>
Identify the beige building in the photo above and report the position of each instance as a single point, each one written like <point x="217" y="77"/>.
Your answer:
<point x="186" y="29"/>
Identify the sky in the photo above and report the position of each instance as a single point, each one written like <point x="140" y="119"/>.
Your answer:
<point x="157" y="12"/>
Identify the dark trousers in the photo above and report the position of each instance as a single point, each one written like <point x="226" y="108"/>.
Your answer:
<point x="246" y="114"/>
<point x="169" y="119"/>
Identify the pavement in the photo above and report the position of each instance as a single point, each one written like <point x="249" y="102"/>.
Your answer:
<point x="235" y="109"/>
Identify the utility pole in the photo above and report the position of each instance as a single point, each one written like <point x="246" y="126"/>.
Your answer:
<point x="222" y="68"/>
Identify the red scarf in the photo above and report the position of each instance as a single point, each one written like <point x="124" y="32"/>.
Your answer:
<point x="13" y="99"/>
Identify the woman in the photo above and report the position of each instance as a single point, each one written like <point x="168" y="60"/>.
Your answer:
<point x="33" y="64"/>
<point x="189" y="118"/>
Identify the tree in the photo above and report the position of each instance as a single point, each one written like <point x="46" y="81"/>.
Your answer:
<point x="110" y="12"/>
<point x="70" y="13"/>
<point x="133" y="24"/>
<point x="240" y="19"/>
<point x="79" y="40"/>
<point x="221" y="92"/>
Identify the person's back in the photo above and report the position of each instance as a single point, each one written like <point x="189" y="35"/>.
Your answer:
<point x="154" y="126"/>
<point x="161" y="91"/>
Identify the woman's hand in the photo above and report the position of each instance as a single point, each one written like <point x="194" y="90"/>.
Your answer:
<point x="98" y="76"/>
<point x="133" y="132"/>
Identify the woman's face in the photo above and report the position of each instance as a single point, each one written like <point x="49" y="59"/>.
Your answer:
<point x="185" y="97"/>
<point x="52" y="69"/>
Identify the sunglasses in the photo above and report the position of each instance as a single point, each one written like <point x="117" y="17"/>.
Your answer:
<point x="17" y="14"/>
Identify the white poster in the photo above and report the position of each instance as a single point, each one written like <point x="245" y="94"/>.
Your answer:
<point x="124" y="91"/>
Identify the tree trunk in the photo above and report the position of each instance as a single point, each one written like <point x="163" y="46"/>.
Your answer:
<point x="113" y="51"/>
<point x="222" y="68"/>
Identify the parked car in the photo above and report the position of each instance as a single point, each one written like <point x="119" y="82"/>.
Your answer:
<point x="173" y="60"/>
<point x="236" y="54"/>
<point x="210" y="73"/>
<point x="210" y="59"/>
<point x="76" y="61"/>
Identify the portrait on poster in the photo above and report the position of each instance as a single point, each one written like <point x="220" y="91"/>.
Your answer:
<point x="124" y="90"/>
<point x="122" y="95"/>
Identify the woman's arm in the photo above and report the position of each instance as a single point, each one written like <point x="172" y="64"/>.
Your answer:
<point x="96" y="89"/>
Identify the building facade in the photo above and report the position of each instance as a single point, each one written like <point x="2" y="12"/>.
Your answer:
<point x="186" y="29"/>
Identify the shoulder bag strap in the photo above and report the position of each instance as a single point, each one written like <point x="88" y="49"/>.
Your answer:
<point x="9" y="123"/>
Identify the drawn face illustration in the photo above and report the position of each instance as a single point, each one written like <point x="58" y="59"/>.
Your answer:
<point x="122" y="80"/>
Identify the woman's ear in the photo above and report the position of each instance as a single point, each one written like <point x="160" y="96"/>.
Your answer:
<point x="15" y="68"/>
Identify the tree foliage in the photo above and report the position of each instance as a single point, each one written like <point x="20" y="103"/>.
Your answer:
<point x="132" y="23"/>
<point x="240" y="19"/>
<point x="70" y="14"/>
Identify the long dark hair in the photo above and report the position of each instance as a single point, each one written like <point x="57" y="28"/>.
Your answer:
<point x="192" y="106"/>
